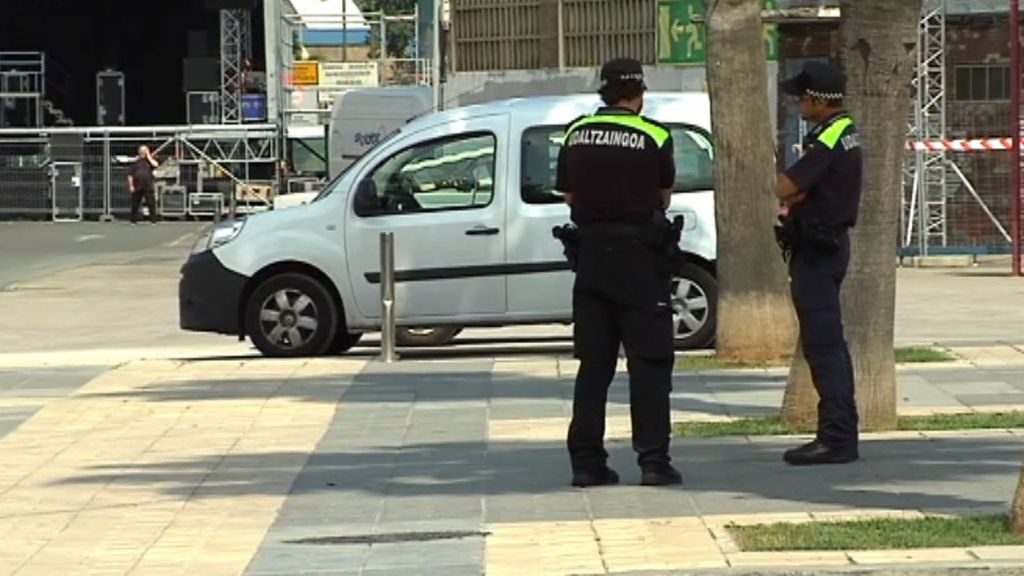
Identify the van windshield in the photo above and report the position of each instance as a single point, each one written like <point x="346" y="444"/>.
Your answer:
<point x="333" y="184"/>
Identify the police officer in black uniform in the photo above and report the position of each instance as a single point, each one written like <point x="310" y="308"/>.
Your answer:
<point x="616" y="170"/>
<point x="821" y="195"/>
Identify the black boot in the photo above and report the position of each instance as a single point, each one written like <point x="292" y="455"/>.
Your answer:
<point x="599" y="477"/>
<point x="661" y="476"/>
<point x="817" y="452"/>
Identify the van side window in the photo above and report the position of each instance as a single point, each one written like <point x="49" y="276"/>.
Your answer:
<point x="448" y="174"/>
<point x="694" y="159"/>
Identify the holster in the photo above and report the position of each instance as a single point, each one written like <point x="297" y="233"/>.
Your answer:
<point x="569" y="236"/>
<point x="794" y="234"/>
<point x="665" y="241"/>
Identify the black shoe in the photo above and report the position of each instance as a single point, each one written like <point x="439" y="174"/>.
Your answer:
<point x="605" y="477"/>
<point x="819" y="453"/>
<point x="661" y="476"/>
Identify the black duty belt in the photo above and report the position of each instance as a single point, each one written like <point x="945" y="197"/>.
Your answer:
<point x="611" y="231"/>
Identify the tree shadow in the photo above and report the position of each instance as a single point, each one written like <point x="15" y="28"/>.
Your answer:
<point x="964" y="474"/>
<point x="421" y="432"/>
<point x="391" y="385"/>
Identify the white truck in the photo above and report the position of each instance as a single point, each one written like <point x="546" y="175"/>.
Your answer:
<point x="469" y="195"/>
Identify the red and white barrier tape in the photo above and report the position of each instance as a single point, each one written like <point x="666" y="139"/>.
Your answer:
<point x="973" y="145"/>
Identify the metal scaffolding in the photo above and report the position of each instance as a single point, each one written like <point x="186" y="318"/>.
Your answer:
<point x="235" y="48"/>
<point x="933" y="174"/>
<point x="930" y="189"/>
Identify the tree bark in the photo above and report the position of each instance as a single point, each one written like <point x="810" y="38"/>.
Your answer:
<point x="800" y="401"/>
<point x="879" y="38"/>
<point x="1017" y="508"/>
<point x="755" y="316"/>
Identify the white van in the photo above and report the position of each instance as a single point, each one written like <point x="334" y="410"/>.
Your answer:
<point x="468" y="194"/>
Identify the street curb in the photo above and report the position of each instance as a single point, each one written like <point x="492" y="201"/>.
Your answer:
<point x="986" y="568"/>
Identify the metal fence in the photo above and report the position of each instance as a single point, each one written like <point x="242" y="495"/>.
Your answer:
<point x="968" y="205"/>
<point x="73" y="174"/>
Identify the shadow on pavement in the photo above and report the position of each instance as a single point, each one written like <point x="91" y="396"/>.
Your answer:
<point x="949" y="475"/>
<point x="415" y="431"/>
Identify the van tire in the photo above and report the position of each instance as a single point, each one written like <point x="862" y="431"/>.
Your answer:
<point x="426" y="336"/>
<point x="345" y="341"/>
<point x="701" y="283"/>
<point x="270" y="326"/>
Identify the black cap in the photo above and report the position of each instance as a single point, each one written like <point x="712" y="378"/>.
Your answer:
<point x="817" y="80"/>
<point x="622" y="70"/>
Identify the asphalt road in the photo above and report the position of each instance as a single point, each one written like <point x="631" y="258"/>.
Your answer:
<point x="31" y="250"/>
<point x="99" y="286"/>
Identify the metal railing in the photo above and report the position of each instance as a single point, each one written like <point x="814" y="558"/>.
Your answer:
<point x="239" y="163"/>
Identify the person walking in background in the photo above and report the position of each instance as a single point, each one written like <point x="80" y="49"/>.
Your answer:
<point x="141" y="184"/>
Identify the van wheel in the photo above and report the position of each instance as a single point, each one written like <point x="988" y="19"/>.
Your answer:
<point x="345" y="341"/>
<point x="291" y="315"/>
<point x="694" y="307"/>
<point x="427" y="336"/>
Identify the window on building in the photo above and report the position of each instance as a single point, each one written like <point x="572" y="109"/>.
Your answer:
<point x="983" y="83"/>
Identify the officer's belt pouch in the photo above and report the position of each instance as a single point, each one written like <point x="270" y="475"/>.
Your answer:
<point x="824" y="239"/>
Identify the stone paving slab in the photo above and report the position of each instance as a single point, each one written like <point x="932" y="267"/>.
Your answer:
<point x="160" y="467"/>
<point x="457" y="447"/>
<point x="231" y="466"/>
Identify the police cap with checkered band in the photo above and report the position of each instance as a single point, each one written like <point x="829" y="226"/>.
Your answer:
<point x="621" y="70"/>
<point x="817" y="80"/>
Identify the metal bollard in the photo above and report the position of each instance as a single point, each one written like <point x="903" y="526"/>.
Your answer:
<point x="387" y="297"/>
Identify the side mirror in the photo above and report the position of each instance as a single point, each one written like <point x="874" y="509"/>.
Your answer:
<point x="366" y="201"/>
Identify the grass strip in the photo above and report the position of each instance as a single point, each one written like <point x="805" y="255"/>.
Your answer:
<point x="878" y="534"/>
<point x="914" y="355"/>
<point x="774" y="426"/>
<point x="911" y="355"/>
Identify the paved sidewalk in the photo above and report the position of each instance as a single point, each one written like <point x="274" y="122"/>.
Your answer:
<point x="454" y="467"/>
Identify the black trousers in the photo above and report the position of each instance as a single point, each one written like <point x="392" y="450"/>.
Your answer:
<point x="619" y="297"/>
<point x="815" y="282"/>
<point x="137" y="197"/>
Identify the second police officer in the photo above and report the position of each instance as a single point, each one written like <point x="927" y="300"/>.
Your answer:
<point x="617" y="172"/>
<point x="821" y="192"/>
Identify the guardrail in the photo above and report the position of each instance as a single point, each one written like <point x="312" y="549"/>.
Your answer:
<point x="238" y="163"/>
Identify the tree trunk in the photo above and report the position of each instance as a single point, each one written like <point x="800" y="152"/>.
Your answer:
<point x="800" y="402"/>
<point x="879" y="38"/>
<point x="755" y="316"/>
<point x="1017" y="509"/>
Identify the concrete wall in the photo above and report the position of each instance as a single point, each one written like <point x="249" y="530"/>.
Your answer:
<point x="466" y="88"/>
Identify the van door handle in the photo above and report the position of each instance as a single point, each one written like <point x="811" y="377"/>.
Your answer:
<point x="482" y="231"/>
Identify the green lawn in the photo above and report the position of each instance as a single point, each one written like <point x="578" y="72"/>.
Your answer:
<point x="774" y="426"/>
<point x="931" y="532"/>
<point x="910" y="355"/>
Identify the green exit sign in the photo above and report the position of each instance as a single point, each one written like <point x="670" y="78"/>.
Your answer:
<point x="682" y="40"/>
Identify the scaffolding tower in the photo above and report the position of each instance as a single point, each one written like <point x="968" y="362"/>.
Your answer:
<point x="927" y="210"/>
<point x="235" y="50"/>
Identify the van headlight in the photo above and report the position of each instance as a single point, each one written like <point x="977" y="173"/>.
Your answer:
<point x="219" y="235"/>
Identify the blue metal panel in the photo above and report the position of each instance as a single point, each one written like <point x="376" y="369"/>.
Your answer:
<point x="327" y="37"/>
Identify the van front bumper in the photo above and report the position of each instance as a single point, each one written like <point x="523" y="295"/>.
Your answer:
<point x="209" y="295"/>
